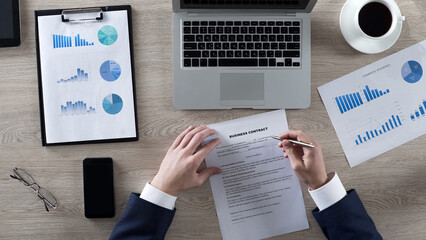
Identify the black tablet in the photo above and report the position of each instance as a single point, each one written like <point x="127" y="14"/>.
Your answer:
<point x="10" y="33"/>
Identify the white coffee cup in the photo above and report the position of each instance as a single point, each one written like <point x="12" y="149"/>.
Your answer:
<point x="357" y="38"/>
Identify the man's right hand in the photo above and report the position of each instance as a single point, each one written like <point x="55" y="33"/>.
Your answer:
<point x="307" y="162"/>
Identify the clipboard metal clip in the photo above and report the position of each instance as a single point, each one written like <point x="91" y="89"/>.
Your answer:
<point x="82" y="14"/>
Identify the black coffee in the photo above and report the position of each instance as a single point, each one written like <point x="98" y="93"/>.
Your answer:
<point x="375" y="19"/>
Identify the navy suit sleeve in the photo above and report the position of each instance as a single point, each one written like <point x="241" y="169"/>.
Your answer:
<point x="142" y="220"/>
<point x="347" y="219"/>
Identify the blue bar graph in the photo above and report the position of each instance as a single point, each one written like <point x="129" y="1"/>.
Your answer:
<point x="394" y="121"/>
<point x="81" y="42"/>
<point x="81" y="76"/>
<point x="76" y="108"/>
<point x="420" y="112"/>
<point x="61" y="41"/>
<point x="353" y="100"/>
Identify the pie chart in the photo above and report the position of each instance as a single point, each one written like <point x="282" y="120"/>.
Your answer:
<point x="112" y="104"/>
<point x="412" y="71"/>
<point x="107" y="35"/>
<point x="110" y="71"/>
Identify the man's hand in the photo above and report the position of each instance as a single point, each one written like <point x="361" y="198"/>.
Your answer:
<point x="308" y="163"/>
<point x="178" y="171"/>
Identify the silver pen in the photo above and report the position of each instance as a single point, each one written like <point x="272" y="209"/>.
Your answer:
<point x="301" y="143"/>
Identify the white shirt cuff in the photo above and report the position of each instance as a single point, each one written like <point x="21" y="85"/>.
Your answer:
<point x="158" y="197"/>
<point x="330" y="193"/>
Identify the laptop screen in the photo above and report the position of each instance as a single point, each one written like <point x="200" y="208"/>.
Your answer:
<point x="244" y="4"/>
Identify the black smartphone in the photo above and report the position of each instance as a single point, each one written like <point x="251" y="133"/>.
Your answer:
<point x="10" y="26"/>
<point x="98" y="188"/>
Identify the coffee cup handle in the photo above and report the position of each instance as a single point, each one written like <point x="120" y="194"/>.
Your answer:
<point x="401" y="19"/>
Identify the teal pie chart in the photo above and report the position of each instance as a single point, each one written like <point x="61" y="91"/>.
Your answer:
<point x="112" y="104"/>
<point x="412" y="71"/>
<point x="110" y="70"/>
<point x="107" y="35"/>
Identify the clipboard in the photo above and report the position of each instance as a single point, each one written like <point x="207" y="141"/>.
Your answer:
<point x="86" y="77"/>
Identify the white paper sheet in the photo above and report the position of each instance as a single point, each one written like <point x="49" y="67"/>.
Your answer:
<point x="107" y="63"/>
<point x="380" y="106"/>
<point x="257" y="195"/>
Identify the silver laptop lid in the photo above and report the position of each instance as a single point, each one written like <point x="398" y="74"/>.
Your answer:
<point x="243" y="5"/>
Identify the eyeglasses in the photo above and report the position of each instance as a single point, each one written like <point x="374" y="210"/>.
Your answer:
<point x="26" y="179"/>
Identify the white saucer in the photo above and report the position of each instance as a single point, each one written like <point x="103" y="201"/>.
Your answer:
<point x="359" y="40"/>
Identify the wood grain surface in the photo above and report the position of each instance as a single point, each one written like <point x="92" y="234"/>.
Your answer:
<point x="392" y="186"/>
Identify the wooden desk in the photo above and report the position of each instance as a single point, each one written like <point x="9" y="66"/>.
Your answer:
<point x="392" y="186"/>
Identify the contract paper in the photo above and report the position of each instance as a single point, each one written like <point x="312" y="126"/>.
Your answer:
<point x="380" y="106"/>
<point x="257" y="195"/>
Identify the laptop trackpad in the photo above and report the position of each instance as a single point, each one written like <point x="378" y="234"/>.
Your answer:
<point x="242" y="88"/>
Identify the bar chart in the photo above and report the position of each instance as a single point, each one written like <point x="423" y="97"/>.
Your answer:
<point x="81" y="76"/>
<point x="61" y="41"/>
<point x="420" y="112"/>
<point x="393" y="122"/>
<point x="80" y="42"/>
<point x="353" y="100"/>
<point x="76" y="108"/>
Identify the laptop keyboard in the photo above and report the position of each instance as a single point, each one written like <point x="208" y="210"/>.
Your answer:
<point x="241" y="44"/>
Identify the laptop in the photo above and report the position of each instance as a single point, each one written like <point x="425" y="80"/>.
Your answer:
<point x="241" y="54"/>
